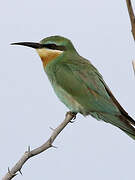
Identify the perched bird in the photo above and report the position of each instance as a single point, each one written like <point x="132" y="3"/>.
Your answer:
<point x="78" y="84"/>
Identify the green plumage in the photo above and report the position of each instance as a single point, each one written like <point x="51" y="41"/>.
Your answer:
<point x="79" y="85"/>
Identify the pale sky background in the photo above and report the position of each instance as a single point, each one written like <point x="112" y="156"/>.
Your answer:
<point x="87" y="149"/>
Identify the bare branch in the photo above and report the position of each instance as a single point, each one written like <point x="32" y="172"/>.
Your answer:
<point x="132" y="19"/>
<point x="132" y="16"/>
<point x="30" y="153"/>
<point x="133" y="63"/>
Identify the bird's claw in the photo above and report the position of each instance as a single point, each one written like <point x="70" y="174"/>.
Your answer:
<point x="73" y="114"/>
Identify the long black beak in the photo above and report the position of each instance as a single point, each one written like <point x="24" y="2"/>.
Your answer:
<point x="30" y="44"/>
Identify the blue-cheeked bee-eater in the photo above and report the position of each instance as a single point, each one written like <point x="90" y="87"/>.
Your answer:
<point x="78" y="84"/>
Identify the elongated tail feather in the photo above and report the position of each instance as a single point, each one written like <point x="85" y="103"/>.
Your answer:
<point x="130" y="135"/>
<point x="120" y="121"/>
<point x="131" y="123"/>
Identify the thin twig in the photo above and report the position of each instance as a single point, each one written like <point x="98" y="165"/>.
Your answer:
<point x="133" y="63"/>
<point x="132" y="16"/>
<point x="30" y="153"/>
<point x="132" y="19"/>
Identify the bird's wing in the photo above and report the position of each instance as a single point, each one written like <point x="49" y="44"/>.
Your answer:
<point x="123" y="112"/>
<point x="93" y="79"/>
<point x="89" y="75"/>
<point x="85" y="85"/>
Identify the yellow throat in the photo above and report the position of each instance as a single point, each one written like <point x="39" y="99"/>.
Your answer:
<point x="48" y="55"/>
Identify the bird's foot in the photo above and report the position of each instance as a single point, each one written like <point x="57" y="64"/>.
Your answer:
<point x="73" y="114"/>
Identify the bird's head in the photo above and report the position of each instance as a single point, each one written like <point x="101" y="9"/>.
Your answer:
<point x="50" y="48"/>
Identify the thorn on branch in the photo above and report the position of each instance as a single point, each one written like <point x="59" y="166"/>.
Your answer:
<point x="54" y="146"/>
<point x="50" y="143"/>
<point x="20" y="171"/>
<point x="52" y="128"/>
<point x="28" y="149"/>
<point x="72" y="121"/>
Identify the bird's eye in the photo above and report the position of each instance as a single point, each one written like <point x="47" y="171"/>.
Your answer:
<point x="55" y="47"/>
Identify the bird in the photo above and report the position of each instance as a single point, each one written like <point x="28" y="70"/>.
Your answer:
<point x="78" y="84"/>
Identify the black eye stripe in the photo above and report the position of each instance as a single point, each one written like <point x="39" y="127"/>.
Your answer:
<point x="55" y="47"/>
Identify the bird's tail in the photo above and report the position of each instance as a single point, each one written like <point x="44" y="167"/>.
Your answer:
<point x="125" y="123"/>
<point x="129" y="134"/>
<point x="130" y="125"/>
